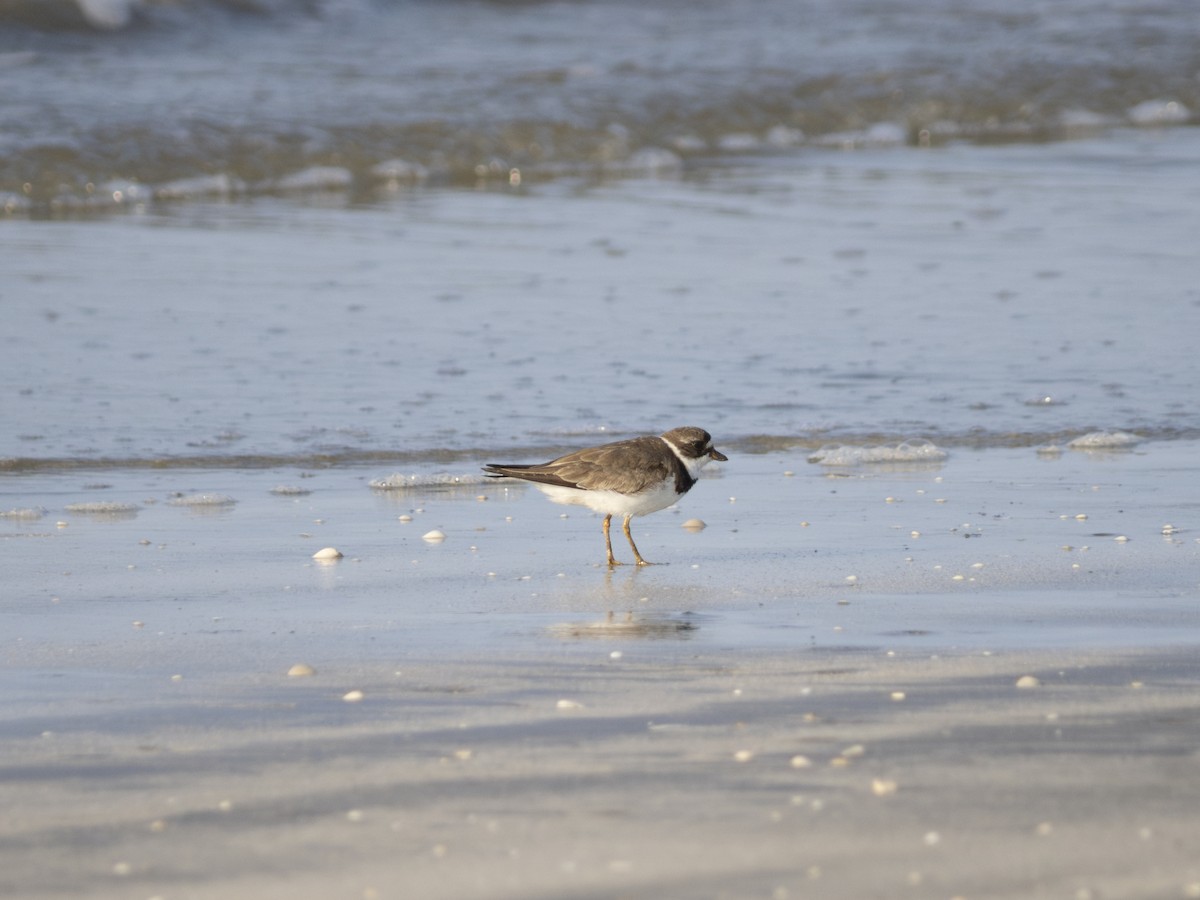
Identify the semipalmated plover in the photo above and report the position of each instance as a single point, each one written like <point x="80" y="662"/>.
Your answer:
<point x="627" y="478"/>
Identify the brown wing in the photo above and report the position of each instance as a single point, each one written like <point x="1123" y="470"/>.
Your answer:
<point x="624" y="466"/>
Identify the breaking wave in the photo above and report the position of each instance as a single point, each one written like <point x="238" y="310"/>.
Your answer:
<point x="915" y="451"/>
<point x="123" y="103"/>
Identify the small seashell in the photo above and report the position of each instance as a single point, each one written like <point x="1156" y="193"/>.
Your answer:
<point x="328" y="553"/>
<point x="433" y="536"/>
<point x="568" y="704"/>
<point x="799" y="761"/>
<point x="883" y="787"/>
<point x="694" y="525"/>
<point x="743" y="756"/>
<point x="299" y="670"/>
<point x="1028" y="681"/>
<point x="352" y="696"/>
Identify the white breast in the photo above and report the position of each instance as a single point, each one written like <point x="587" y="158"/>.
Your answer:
<point x="612" y="502"/>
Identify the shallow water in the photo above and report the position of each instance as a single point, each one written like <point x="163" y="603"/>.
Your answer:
<point x="281" y="276"/>
<point x="129" y="98"/>
<point x="996" y="549"/>
<point x="970" y="296"/>
<point x="600" y="235"/>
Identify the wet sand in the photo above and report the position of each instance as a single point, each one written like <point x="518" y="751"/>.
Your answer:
<point x="477" y="724"/>
<point x="816" y="695"/>
<point x="710" y="774"/>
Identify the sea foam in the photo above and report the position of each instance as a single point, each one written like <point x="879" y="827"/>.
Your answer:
<point x="398" y="481"/>
<point x="202" y="500"/>
<point x="915" y="451"/>
<point x="103" y="507"/>
<point x="1160" y="112"/>
<point x="1105" y="440"/>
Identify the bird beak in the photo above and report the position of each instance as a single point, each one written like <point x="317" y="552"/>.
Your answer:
<point x="716" y="454"/>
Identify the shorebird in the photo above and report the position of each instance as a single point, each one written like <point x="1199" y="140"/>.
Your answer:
<point x="626" y="478"/>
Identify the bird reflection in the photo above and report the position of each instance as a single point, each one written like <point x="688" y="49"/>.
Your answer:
<point x="656" y="627"/>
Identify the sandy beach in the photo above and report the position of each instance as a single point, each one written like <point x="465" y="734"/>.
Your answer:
<point x="827" y="706"/>
<point x="285" y="280"/>
<point x="676" y="774"/>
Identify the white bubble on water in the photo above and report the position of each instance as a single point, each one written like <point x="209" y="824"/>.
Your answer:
<point x="1104" y="440"/>
<point x="202" y="500"/>
<point x="913" y="451"/>
<point x="103" y="508"/>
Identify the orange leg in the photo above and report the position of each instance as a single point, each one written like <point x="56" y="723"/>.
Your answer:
<point x="629" y="535"/>
<point x="612" y="560"/>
